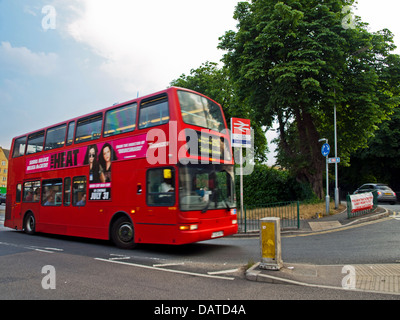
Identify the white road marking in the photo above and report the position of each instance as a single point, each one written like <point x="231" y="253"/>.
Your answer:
<point x="55" y="249"/>
<point x="223" y="271"/>
<point x="121" y="258"/>
<point x="34" y="248"/>
<point x="41" y="250"/>
<point x="168" y="264"/>
<point x="46" y="250"/>
<point x="165" y="270"/>
<point x="396" y="215"/>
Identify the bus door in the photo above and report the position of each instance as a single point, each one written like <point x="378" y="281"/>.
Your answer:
<point x="16" y="214"/>
<point x="52" y="214"/>
<point x="77" y="201"/>
<point x="86" y="219"/>
<point x="161" y="196"/>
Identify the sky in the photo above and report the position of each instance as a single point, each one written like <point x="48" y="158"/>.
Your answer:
<point x="60" y="59"/>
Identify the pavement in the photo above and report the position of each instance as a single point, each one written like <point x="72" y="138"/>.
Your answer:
<point x="377" y="278"/>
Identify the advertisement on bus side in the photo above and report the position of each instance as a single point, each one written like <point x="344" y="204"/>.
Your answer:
<point x="98" y="157"/>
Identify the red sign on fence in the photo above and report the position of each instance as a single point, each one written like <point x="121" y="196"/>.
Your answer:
<point x="362" y="201"/>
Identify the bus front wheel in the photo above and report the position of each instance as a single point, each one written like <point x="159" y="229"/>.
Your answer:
<point x="122" y="233"/>
<point x="29" y="223"/>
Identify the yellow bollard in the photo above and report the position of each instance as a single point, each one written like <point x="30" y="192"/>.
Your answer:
<point x="270" y="243"/>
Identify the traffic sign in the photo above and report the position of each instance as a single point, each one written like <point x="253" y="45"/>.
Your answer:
<point x="241" y="132"/>
<point x="334" y="160"/>
<point x="325" y="150"/>
<point x="241" y="138"/>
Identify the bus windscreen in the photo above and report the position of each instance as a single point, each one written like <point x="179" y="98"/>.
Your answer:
<point x="200" y="111"/>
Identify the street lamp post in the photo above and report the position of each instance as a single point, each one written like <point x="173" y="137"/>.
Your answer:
<point x="336" y="164"/>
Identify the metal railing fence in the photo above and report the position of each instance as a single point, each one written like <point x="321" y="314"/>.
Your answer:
<point x="288" y="212"/>
<point x="351" y="214"/>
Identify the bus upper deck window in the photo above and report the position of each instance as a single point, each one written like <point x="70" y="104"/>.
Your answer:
<point x="35" y="142"/>
<point x="120" y="120"/>
<point x="19" y="147"/>
<point x="153" y="112"/>
<point x="55" y="137"/>
<point x="70" y="135"/>
<point x="89" y="128"/>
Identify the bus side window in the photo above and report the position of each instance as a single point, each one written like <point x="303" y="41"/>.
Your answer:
<point x="19" y="147"/>
<point x="153" y="112"/>
<point x="120" y="120"/>
<point x="79" y="191"/>
<point x="89" y="128"/>
<point x="67" y="191"/>
<point x="31" y="191"/>
<point x="70" y="135"/>
<point x="35" y="142"/>
<point x="55" y="137"/>
<point x="51" y="192"/>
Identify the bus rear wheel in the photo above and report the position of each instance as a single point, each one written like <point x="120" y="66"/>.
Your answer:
<point x="122" y="233"/>
<point x="29" y="223"/>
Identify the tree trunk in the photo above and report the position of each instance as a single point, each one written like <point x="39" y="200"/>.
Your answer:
<point x="310" y="150"/>
<point x="303" y="155"/>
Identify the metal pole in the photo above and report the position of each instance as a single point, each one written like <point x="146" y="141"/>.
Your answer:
<point x="298" y="215"/>
<point x="241" y="182"/>
<point x="336" y="164"/>
<point x="327" y="198"/>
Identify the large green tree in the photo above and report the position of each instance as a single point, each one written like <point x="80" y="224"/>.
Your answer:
<point x="292" y="60"/>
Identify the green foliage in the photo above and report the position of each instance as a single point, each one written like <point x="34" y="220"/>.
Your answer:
<point x="293" y="61"/>
<point x="380" y="161"/>
<point x="269" y="185"/>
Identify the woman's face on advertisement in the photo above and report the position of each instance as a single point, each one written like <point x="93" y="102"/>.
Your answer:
<point x="92" y="155"/>
<point x="107" y="154"/>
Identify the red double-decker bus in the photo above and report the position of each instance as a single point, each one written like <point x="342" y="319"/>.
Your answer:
<point x="157" y="169"/>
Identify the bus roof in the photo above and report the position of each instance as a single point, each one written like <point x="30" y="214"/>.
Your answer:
<point x="102" y="110"/>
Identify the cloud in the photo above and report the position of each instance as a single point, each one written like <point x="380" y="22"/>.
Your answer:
<point x="28" y="9"/>
<point x="149" y="43"/>
<point x="23" y="60"/>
